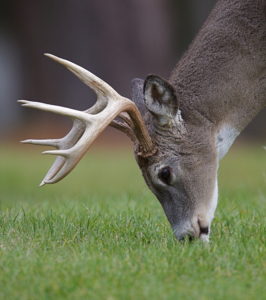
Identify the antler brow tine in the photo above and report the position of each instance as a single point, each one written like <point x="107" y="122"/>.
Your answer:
<point x="88" y="124"/>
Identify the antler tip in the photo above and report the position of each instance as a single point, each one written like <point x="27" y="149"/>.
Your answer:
<point x="25" y="141"/>
<point x="48" y="54"/>
<point x="53" y="57"/>
<point x="42" y="183"/>
<point x="22" y="101"/>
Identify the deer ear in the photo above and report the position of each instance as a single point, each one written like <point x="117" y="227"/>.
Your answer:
<point x="137" y="97"/>
<point x="160" y="99"/>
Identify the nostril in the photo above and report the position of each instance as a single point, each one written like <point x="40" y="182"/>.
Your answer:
<point x="204" y="230"/>
<point x="186" y="237"/>
<point x="191" y="238"/>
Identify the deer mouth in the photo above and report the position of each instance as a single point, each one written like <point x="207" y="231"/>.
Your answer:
<point x="192" y="231"/>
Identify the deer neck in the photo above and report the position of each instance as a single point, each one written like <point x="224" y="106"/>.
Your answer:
<point x="221" y="80"/>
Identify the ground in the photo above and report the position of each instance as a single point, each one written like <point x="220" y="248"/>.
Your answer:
<point x="100" y="234"/>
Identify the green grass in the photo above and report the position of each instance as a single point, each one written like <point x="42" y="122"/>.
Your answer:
<point x="100" y="234"/>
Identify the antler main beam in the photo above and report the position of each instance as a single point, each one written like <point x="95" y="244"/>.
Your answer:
<point x="88" y="124"/>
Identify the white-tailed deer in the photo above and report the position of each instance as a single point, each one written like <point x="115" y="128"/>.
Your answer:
<point x="182" y="127"/>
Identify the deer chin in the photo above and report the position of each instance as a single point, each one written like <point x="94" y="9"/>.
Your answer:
<point x="205" y="217"/>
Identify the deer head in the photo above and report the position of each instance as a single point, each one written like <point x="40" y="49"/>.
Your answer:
<point x="182" y="172"/>
<point x="178" y="165"/>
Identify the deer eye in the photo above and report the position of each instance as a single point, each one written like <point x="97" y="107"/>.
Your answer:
<point x="165" y="175"/>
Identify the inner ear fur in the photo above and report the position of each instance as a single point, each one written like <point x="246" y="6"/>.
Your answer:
<point x="160" y="98"/>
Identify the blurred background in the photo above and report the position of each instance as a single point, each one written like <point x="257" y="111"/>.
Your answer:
<point x="117" y="40"/>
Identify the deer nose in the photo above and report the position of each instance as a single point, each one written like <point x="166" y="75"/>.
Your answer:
<point x="192" y="232"/>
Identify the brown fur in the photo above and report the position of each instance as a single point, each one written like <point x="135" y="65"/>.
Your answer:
<point x="221" y="79"/>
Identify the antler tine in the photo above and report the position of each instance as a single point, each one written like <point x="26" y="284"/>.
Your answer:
<point x="45" y="142"/>
<point x="56" y="109"/>
<point x="94" y="82"/>
<point x="55" y="168"/>
<point x="60" y="169"/>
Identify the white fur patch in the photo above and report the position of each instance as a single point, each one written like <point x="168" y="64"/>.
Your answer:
<point x="213" y="204"/>
<point x="204" y="238"/>
<point x="225" y="138"/>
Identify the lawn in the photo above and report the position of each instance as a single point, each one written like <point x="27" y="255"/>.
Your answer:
<point x="100" y="234"/>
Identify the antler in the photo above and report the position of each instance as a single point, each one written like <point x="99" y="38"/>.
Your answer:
<point x="87" y="125"/>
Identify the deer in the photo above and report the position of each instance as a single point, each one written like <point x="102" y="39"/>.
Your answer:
<point x="183" y="126"/>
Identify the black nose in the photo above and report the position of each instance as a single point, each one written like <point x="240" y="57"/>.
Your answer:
<point x="204" y="230"/>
